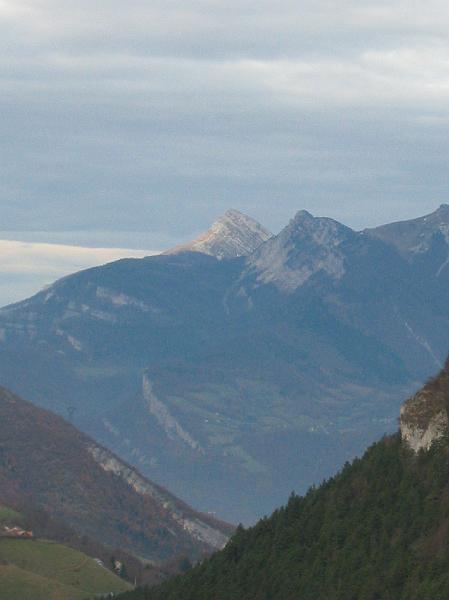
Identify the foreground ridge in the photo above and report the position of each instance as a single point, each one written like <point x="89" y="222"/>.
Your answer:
<point x="45" y="461"/>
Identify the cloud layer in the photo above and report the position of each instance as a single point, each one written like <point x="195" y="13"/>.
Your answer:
<point x="25" y="268"/>
<point x="156" y="117"/>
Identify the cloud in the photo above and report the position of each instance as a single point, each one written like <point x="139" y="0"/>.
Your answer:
<point x="156" y="117"/>
<point x="25" y="267"/>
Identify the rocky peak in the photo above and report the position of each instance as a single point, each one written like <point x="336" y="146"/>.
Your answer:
<point x="306" y="246"/>
<point x="425" y="416"/>
<point x="321" y="230"/>
<point x="233" y="235"/>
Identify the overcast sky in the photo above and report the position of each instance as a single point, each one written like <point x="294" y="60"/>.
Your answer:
<point x="25" y="268"/>
<point x="134" y="124"/>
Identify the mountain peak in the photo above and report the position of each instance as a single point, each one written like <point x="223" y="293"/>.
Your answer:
<point x="443" y="209"/>
<point x="302" y="216"/>
<point x="307" y="245"/>
<point x="232" y="235"/>
<point x="416" y="236"/>
<point x="425" y="416"/>
<point x="322" y="229"/>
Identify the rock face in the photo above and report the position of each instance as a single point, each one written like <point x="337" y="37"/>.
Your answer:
<point x="192" y="524"/>
<point x="169" y="424"/>
<point x="308" y="245"/>
<point x="424" y="417"/>
<point x="233" y="235"/>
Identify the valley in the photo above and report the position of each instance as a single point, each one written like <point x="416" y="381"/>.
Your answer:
<point x="377" y="529"/>
<point x="233" y="381"/>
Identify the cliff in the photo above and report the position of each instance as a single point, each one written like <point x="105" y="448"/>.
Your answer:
<point x="425" y="417"/>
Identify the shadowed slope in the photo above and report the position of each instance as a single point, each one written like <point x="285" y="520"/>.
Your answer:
<point x="49" y="464"/>
<point x="379" y="530"/>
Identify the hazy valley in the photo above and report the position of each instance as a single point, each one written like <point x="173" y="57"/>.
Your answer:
<point x="233" y="381"/>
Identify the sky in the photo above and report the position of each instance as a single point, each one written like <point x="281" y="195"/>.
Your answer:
<point x="133" y="125"/>
<point x="26" y="268"/>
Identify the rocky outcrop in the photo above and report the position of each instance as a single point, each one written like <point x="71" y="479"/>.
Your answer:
<point x="421" y="437"/>
<point x="233" y="235"/>
<point x="165" y="419"/>
<point x="307" y="246"/>
<point x="198" y="529"/>
<point x="425" y="416"/>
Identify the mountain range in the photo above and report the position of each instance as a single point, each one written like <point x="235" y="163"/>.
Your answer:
<point x="243" y="365"/>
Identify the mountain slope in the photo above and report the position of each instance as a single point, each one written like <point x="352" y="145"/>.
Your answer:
<point x="43" y="569"/>
<point x="212" y="376"/>
<point x="48" y="464"/>
<point x="17" y="584"/>
<point x="26" y="517"/>
<point x="416" y="236"/>
<point x="233" y="235"/>
<point x="306" y="246"/>
<point x="378" y="530"/>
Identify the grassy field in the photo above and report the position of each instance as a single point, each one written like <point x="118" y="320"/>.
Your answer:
<point x="44" y="569"/>
<point x="17" y="584"/>
<point x="8" y="515"/>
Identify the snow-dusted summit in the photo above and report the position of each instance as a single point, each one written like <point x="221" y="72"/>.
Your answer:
<point x="234" y="234"/>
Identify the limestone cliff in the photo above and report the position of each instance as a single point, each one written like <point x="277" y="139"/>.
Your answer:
<point x="187" y="519"/>
<point x="425" y="416"/>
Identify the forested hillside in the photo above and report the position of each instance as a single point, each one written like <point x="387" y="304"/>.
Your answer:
<point x="376" y="531"/>
<point x="379" y="530"/>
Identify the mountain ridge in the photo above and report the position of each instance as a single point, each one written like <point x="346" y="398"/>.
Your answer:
<point x="416" y="236"/>
<point x="281" y="260"/>
<point x="212" y="381"/>
<point x="47" y="463"/>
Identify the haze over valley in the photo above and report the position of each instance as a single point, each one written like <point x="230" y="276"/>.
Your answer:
<point x="224" y="300"/>
<point x="239" y="367"/>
